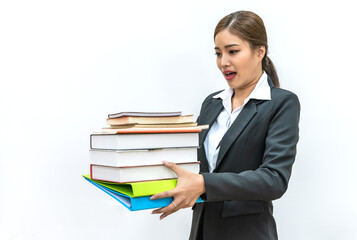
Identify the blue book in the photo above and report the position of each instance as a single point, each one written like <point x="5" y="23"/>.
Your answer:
<point x="135" y="203"/>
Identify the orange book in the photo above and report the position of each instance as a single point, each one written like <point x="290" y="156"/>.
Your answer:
<point x="149" y="120"/>
<point x="196" y="129"/>
<point x="167" y="125"/>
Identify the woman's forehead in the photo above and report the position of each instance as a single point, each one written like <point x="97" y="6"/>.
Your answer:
<point x="226" y="38"/>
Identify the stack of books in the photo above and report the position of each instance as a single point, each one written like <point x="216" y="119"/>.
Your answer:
<point x="126" y="157"/>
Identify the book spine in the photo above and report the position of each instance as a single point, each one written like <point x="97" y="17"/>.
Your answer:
<point x="90" y="142"/>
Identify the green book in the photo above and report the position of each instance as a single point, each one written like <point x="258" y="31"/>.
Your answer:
<point x="138" y="189"/>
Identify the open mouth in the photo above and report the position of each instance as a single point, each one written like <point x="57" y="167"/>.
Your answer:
<point x="229" y="75"/>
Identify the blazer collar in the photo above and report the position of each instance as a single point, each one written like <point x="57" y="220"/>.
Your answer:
<point x="270" y="82"/>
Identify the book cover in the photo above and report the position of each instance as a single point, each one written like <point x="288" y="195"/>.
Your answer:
<point x="135" y="203"/>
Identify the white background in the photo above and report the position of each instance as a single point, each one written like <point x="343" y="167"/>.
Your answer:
<point x="64" y="65"/>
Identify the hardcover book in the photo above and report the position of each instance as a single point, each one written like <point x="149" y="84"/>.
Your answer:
<point x="142" y="157"/>
<point x="138" y="173"/>
<point x="150" y="120"/>
<point x="144" y="114"/>
<point x="146" y="138"/>
<point x="168" y="125"/>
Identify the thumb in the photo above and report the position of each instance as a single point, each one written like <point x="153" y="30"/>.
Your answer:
<point x="178" y="170"/>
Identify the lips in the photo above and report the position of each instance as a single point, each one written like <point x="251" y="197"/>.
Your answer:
<point x="229" y="75"/>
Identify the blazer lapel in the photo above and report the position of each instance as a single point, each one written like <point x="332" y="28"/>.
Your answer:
<point x="248" y="112"/>
<point x="210" y="115"/>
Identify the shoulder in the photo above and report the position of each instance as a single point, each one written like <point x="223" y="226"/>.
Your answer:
<point x="209" y="98"/>
<point x="282" y="94"/>
<point x="213" y="94"/>
<point x="278" y="92"/>
<point x="282" y="98"/>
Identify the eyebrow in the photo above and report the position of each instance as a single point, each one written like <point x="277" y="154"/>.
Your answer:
<point x="228" y="46"/>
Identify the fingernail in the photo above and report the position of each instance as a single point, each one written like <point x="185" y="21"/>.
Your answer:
<point x="152" y="198"/>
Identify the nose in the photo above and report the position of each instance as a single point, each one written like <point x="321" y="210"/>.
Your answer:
<point x="225" y="61"/>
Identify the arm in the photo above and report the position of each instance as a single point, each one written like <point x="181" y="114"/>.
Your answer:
<point x="268" y="182"/>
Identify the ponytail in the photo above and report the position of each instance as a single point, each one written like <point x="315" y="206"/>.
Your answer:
<point x="269" y="68"/>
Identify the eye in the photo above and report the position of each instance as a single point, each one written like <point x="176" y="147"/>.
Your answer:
<point x="218" y="54"/>
<point x="233" y="51"/>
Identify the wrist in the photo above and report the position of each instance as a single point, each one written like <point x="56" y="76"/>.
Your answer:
<point x="201" y="180"/>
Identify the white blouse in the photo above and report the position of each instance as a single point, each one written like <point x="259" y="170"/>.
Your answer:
<point x="227" y="117"/>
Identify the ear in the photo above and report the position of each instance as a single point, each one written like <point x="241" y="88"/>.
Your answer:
<point x="260" y="51"/>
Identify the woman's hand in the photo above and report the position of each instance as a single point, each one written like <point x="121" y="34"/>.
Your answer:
<point x="189" y="187"/>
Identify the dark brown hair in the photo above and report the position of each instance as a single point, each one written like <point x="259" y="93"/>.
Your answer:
<point x="250" y="27"/>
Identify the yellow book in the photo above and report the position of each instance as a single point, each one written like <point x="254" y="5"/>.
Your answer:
<point x="138" y="189"/>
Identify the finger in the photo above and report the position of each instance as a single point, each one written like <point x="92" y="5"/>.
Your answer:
<point x="168" y="208"/>
<point x="178" y="170"/>
<point x="162" y="195"/>
<point x="156" y="211"/>
<point x="162" y="216"/>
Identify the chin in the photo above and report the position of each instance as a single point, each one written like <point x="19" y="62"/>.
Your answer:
<point x="232" y="84"/>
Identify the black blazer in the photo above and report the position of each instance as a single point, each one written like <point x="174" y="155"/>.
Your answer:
<point x="253" y="168"/>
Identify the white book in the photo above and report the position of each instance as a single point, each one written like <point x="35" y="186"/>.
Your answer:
<point x="138" y="173"/>
<point x="136" y="141"/>
<point x="142" y="157"/>
<point x="144" y="114"/>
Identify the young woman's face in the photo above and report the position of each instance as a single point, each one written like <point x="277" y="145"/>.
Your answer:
<point x="241" y="66"/>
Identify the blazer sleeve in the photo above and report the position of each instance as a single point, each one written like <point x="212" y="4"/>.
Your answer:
<point x="270" y="180"/>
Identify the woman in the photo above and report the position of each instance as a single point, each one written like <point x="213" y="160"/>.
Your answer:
<point x="250" y="147"/>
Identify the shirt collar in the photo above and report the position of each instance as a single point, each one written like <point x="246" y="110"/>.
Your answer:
<point x="260" y="92"/>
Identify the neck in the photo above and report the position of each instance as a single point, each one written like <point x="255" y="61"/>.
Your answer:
<point x="243" y="92"/>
